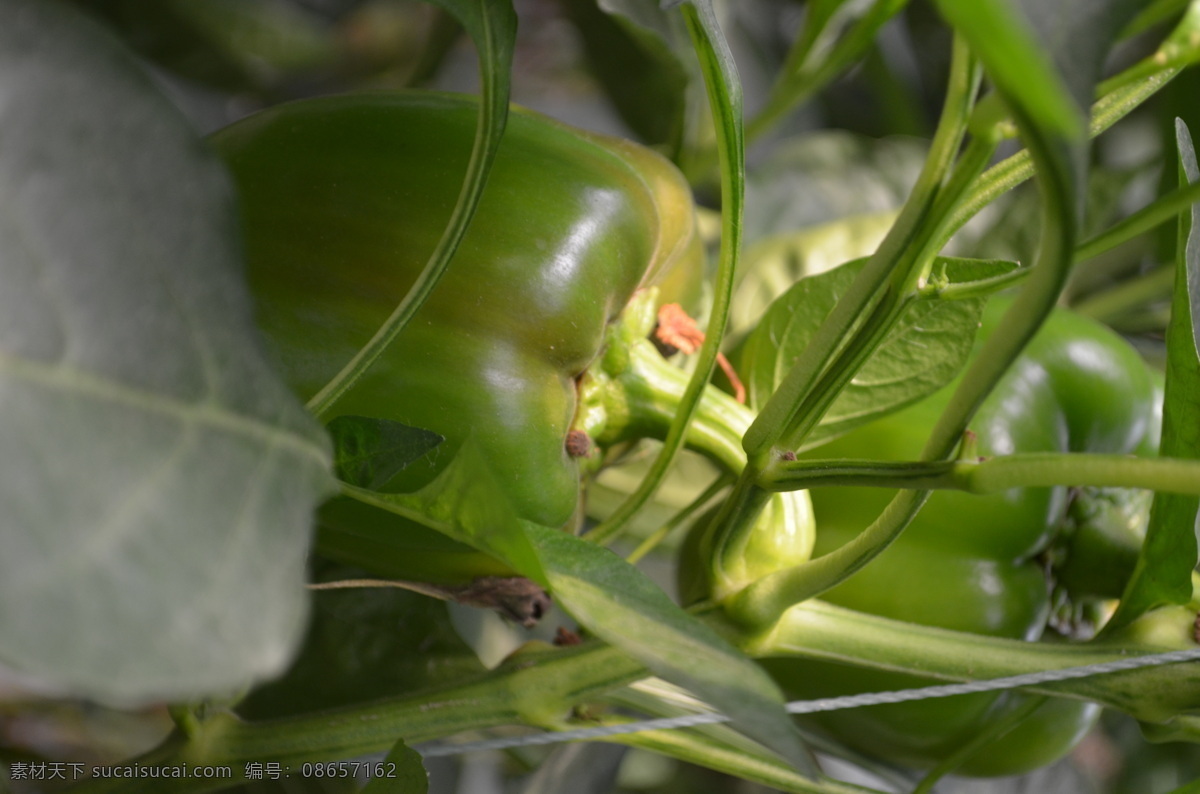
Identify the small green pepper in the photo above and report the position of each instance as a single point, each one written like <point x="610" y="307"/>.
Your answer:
<point x="344" y="198"/>
<point x="977" y="563"/>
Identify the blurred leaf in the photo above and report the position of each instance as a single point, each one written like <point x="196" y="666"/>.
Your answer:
<point x="157" y="476"/>
<point x="1164" y="569"/>
<point x="629" y="50"/>
<point x="1078" y="35"/>
<point x="674" y="101"/>
<point x="235" y="45"/>
<point x="827" y="176"/>
<point x="360" y="646"/>
<point x="835" y="36"/>
<point x="402" y="773"/>
<point x="1064" y="777"/>
<point x="622" y="607"/>
<point x="922" y="353"/>
<point x="369" y="452"/>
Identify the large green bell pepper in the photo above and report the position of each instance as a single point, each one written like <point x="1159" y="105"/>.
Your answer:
<point x="979" y="564"/>
<point x="344" y="198"/>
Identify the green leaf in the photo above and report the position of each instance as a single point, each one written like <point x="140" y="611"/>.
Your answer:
<point x="485" y="521"/>
<point x="620" y="605"/>
<point x="1164" y="569"/>
<point x="827" y="176"/>
<point x="369" y="452"/>
<point x="773" y="265"/>
<point x="400" y="772"/>
<point x="922" y="353"/>
<point x="158" y="479"/>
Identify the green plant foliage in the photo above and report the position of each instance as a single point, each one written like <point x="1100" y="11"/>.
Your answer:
<point x="923" y="351"/>
<point x="1164" y="571"/>
<point x="487" y="308"/>
<point x="369" y="452"/>
<point x="151" y="452"/>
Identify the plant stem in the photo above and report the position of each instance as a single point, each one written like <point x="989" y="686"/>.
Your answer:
<point x="1007" y="174"/>
<point x="1115" y="303"/>
<point x="533" y="689"/>
<point x="645" y="397"/>
<point x="725" y="97"/>
<point x="1028" y="470"/>
<point x="1059" y="157"/>
<point x="783" y="412"/>
<point x="646" y="546"/>
<point x="696" y="748"/>
<point x="797" y="81"/>
<point x="1163" y="209"/>
<point x="836" y="351"/>
<point x="819" y="630"/>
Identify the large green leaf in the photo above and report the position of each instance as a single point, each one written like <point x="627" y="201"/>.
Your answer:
<point x="158" y="480"/>
<point x="1164" y="569"/>
<point x="922" y="353"/>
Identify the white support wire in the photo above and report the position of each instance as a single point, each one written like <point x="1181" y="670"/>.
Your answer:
<point x="825" y="704"/>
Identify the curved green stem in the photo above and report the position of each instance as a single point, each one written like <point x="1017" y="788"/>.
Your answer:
<point x="725" y="96"/>
<point x="1163" y="209"/>
<point x="1028" y="470"/>
<point x="1129" y="296"/>
<point x="797" y="81"/>
<point x="1012" y="171"/>
<point x="497" y="29"/>
<point x="677" y="520"/>
<point x="535" y="688"/>
<point x="819" y="630"/>
<point x="644" y="399"/>
<point x="1053" y="142"/>
<point x="787" y="411"/>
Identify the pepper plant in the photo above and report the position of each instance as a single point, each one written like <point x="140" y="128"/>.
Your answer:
<point x="278" y="392"/>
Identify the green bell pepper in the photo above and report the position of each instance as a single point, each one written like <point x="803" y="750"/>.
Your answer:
<point x="983" y="564"/>
<point x="344" y="198"/>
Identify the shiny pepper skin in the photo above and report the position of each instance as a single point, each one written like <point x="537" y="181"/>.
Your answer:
<point x="975" y="563"/>
<point x="343" y="200"/>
